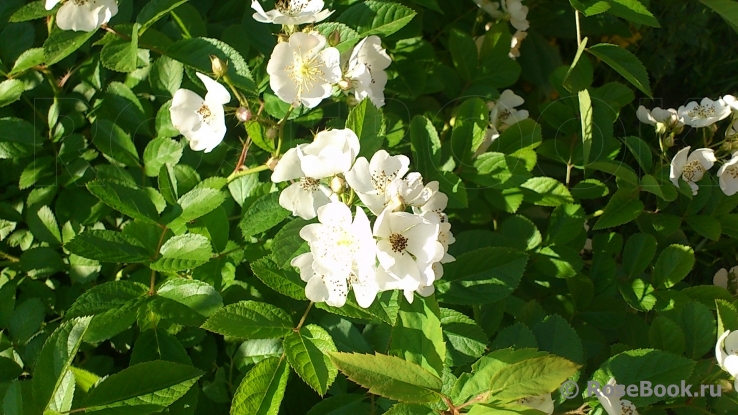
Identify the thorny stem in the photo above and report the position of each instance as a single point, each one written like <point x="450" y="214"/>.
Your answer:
<point x="9" y="257"/>
<point x="244" y="152"/>
<point x="579" y="411"/>
<point x="241" y="99"/>
<point x="304" y="316"/>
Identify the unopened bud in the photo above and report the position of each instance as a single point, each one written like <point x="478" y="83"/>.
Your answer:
<point x="338" y="185"/>
<point x="272" y="163"/>
<point x="344" y="84"/>
<point x="243" y="114"/>
<point x="220" y="68"/>
<point x="661" y="128"/>
<point x="271" y="133"/>
<point x="334" y="38"/>
<point x="669" y="141"/>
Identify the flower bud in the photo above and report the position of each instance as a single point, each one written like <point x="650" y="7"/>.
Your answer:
<point x="271" y="133"/>
<point x="220" y="68"/>
<point x="668" y="141"/>
<point x="334" y="38"/>
<point x="243" y="114"/>
<point x="272" y="163"/>
<point x="338" y="185"/>
<point x="344" y="84"/>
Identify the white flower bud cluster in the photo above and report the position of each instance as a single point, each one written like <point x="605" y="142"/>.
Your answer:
<point x="402" y="250"/>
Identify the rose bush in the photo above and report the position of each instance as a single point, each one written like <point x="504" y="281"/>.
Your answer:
<point x="403" y="207"/>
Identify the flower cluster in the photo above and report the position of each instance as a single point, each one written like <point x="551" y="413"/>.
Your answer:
<point x="503" y="113"/>
<point x="402" y="250"/>
<point x="515" y="12"/>
<point x="83" y="15"/>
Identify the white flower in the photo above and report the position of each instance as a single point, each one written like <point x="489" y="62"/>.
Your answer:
<point x="292" y="12"/>
<point x="364" y="70"/>
<point x="489" y="137"/>
<point x="515" y="43"/>
<point x="704" y="114"/>
<point x="202" y="121"/>
<point x="331" y="153"/>
<point x="517" y="13"/>
<point x="83" y="15"/>
<point x="723" y="277"/>
<point x="731" y="101"/>
<point x="612" y="404"/>
<point x="728" y="176"/>
<point x="503" y="112"/>
<point x="491" y="7"/>
<point x="371" y="179"/>
<point x="726" y="353"/>
<point x="668" y="119"/>
<point x="543" y="403"/>
<point x="302" y="70"/>
<point x="732" y="130"/>
<point x="407" y="247"/>
<point x="342" y="255"/>
<point x="691" y="169"/>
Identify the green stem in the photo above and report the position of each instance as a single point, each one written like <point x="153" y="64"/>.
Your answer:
<point x="304" y="316"/>
<point x="236" y="175"/>
<point x="281" y="130"/>
<point x="9" y="257"/>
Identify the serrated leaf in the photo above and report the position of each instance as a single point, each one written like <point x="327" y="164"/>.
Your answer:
<point x="640" y="151"/>
<point x="264" y="214"/>
<point x="197" y="203"/>
<point x="484" y="369"/>
<point x="262" y="389"/>
<point x="546" y="191"/>
<point x="624" y="206"/>
<point x="141" y="389"/>
<point x="282" y="280"/>
<point x="183" y="252"/>
<point x="367" y="121"/>
<point x="463" y="54"/>
<point x="27" y="60"/>
<point x="105" y="296"/>
<point x="673" y="264"/>
<point x="634" y="11"/>
<point x="62" y="43"/>
<point x="417" y="336"/>
<point x="26" y="320"/>
<point x="390" y="376"/>
<point x="159" y="152"/>
<point x="155" y="10"/>
<point x="197" y="295"/>
<point x="31" y="11"/>
<point x="699" y="329"/>
<point x="638" y="252"/>
<point x="11" y="91"/>
<point x="107" y="246"/>
<point x="158" y="344"/>
<point x="376" y="17"/>
<point x="250" y="320"/>
<point x="346" y="35"/>
<point x="465" y="340"/>
<point x="523" y="134"/>
<point x="585" y="113"/>
<point x="666" y="335"/>
<point x="470" y="128"/>
<point x="120" y="54"/>
<point x="706" y="226"/>
<point x="288" y="244"/>
<point x="130" y="201"/>
<point x="727" y="316"/>
<point x="531" y="377"/>
<point x="166" y="76"/>
<point x="426" y="146"/>
<point x="625" y="63"/>
<point x="307" y="352"/>
<point x="556" y="336"/>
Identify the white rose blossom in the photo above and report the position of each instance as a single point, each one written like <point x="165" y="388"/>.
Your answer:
<point x="364" y="70"/>
<point x="331" y="153"/>
<point x="201" y="120"/>
<point x="728" y="176"/>
<point x="302" y="71"/>
<point x="503" y="113"/>
<point x="726" y="353"/>
<point x="663" y="119"/>
<point x="724" y="278"/>
<point x="83" y="15"/>
<point x="342" y="256"/>
<point x="370" y="180"/>
<point x="612" y="404"/>
<point x="516" y="42"/>
<point x="691" y="168"/>
<point x="542" y="403"/>
<point x="292" y="12"/>
<point x="511" y="9"/>
<point x="704" y="114"/>
<point x="732" y="130"/>
<point x="491" y="7"/>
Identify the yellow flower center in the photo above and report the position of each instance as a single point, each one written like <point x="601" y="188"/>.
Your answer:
<point x="693" y="172"/>
<point x="703" y="111"/>
<point x="309" y="184"/>
<point x="205" y="113"/>
<point x="398" y="242"/>
<point x="305" y="73"/>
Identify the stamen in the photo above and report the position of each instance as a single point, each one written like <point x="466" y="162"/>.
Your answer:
<point x="398" y="242"/>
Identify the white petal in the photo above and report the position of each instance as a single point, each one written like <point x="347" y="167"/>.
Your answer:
<point x="731" y="343"/>
<point x="721" y="278"/>
<point x="706" y="157"/>
<point x="183" y="111"/>
<point x="677" y="165"/>
<point x="77" y="18"/>
<point x="305" y="263"/>
<point x="720" y="354"/>
<point x="359" y="177"/>
<point x="288" y="167"/>
<point x="730" y="364"/>
<point x="336" y="214"/>
<point x="644" y="115"/>
<point x="217" y="93"/>
<point x="50" y="4"/>
<point x="316" y="290"/>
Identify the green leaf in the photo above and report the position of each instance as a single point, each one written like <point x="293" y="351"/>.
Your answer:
<point x="523" y="134"/>
<point x="489" y="366"/>
<point x="288" y="244"/>
<point x="621" y="171"/>
<point x="463" y="54"/>
<point x="27" y="60"/>
<point x="482" y="276"/>
<point x="706" y="226"/>
<point x="160" y="152"/>
<point x="26" y="320"/>
<point x="347" y="36"/>
<point x="264" y="214"/>
<point x="62" y="43"/>
<point x="634" y="366"/>
<point x="410" y="408"/>
<point x="727" y="316"/>
<point x="103" y="297"/>
<point x="674" y="263"/>
<point x="556" y="336"/>
<point x="390" y="377"/>
<point x="590" y="7"/>
<point x="107" y="246"/>
<point x="344" y="404"/>
<point x="121" y="55"/>
<point x="130" y="201"/>
<point x="31" y="11"/>
<point x="417" y="336"/>
<point x="465" y="339"/>
<point x="727" y="9"/>
<point x="196" y="52"/>
<point x="546" y="191"/>
<point x="634" y="11"/>
<point x="183" y="252"/>
<point x="142" y="389"/>
<point x="166" y="76"/>
<point x="640" y="151"/>
<point x="250" y="320"/>
<point x="197" y="295"/>
<point x="666" y="335"/>
<point x="158" y="344"/>
<point x="531" y="377"/>
<point x="155" y="10"/>
<point x="426" y="146"/>
<point x="11" y="91"/>
<point x="625" y="63"/>
<point x="197" y="203"/>
<point x="517" y="336"/>
<point x="585" y="112"/>
<point x="699" y="329"/>
<point x="115" y="143"/>
<point x="383" y="309"/>
<point x="107" y="324"/>
<point x="470" y="128"/>
<point x="44" y="226"/>
<point x="638" y="253"/>
<point x="566" y="223"/>
<point x="53" y="363"/>
<point x="373" y="17"/>
<point x="307" y="352"/>
<point x="367" y="121"/>
<point x="282" y="280"/>
<point x="651" y="185"/>
<point x="624" y="206"/>
<point x="262" y="389"/>
<point x="579" y="76"/>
